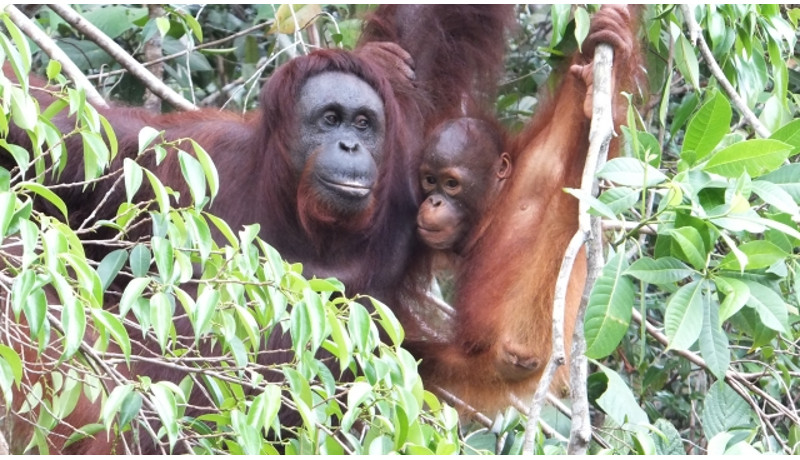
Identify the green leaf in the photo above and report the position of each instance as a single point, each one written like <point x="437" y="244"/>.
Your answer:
<point x="24" y="109"/>
<point x="300" y="389"/>
<point x="13" y="360"/>
<point x="161" y="312"/>
<point x="388" y="321"/>
<point x="683" y="112"/>
<point x="736" y="296"/>
<point x="776" y="196"/>
<point x="316" y="318"/>
<point x="209" y="169"/>
<point x="96" y="154"/>
<point x="560" y="15"/>
<point x="789" y="134"/>
<point x="596" y="207"/>
<point x="35" y="308"/>
<point x="195" y="27"/>
<point x="608" y="313"/>
<point x="204" y="310"/>
<point x="724" y="410"/>
<point x="140" y="260"/>
<point x="116" y="328"/>
<point x="288" y="15"/>
<point x="669" y="441"/>
<point x="756" y="157"/>
<point x="195" y="178"/>
<point x="686" y="60"/>
<point x="224" y="229"/>
<point x="344" y="347"/>
<point x="133" y="178"/>
<point x="20" y="44"/>
<point x="683" y="318"/>
<point x="201" y="234"/>
<point x="581" y="25"/>
<point x="619" y="199"/>
<point x="21" y="157"/>
<point x="110" y="266"/>
<point x="691" y="245"/>
<point x="111" y="136"/>
<point x="73" y="316"/>
<point x="88" y="280"/>
<point x="146" y="137"/>
<point x="167" y="408"/>
<point x="769" y="305"/>
<point x="714" y="346"/>
<point x="271" y="395"/>
<point x="664" y="270"/>
<point x="760" y="254"/>
<point x="7" y="202"/>
<point x="130" y="408"/>
<point x="300" y="327"/>
<point x="161" y="193"/>
<point x="359" y="327"/>
<point x="165" y="258"/>
<point x="707" y="128"/>
<point x="113" y="403"/>
<point x="45" y="193"/>
<point x="618" y="400"/>
<point x="631" y="172"/>
<point x="163" y="25"/>
<point x="133" y="291"/>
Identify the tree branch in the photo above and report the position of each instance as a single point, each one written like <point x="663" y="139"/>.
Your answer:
<point x="600" y="134"/>
<point x="57" y="54"/>
<point x="152" y="51"/>
<point x="696" y="37"/>
<point x="735" y="381"/>
<point x="134" y="67"/>
<point x="589" y="231"/>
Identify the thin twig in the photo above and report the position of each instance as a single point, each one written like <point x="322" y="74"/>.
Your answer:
<point x="557" y="354"/>
<point x="51" y="49"/>
<point x="696" y="36"/>
<point x="199" y="47"/>
<point x="120" y="55"/>
<point x="735" y="381"/>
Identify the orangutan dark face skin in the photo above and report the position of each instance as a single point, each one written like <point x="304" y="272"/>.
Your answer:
<point x="338" y="150"/>
<point x="462" y="170"/>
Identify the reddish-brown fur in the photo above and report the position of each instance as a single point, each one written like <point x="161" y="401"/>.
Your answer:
<point x="251" y="153"/>
<point x="504" y="295"/>
<point x="458" y="54"/>
<point x="253" y="160"/>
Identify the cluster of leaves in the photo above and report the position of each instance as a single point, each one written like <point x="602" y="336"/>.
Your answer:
<point x="702" y="254"/>
<point x="73" y="329"/>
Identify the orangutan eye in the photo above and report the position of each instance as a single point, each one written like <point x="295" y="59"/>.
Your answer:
<point x="361" y="123"/>
<point x="331" y="119"/>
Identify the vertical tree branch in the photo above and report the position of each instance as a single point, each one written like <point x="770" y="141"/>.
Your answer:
<point x="589" y="231"/>
<point x="152" y="51"/>
<point x="600" y="134"/>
